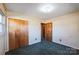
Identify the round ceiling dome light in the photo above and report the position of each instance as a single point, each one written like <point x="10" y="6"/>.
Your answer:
<point x="46" y="8"/>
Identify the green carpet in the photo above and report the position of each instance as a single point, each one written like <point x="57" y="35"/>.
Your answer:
<point x="44" y="48"/>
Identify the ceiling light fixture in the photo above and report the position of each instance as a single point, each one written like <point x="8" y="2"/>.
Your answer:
<point x="46" y="8"/>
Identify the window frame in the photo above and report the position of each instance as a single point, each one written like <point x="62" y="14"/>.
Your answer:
<point x="3" y="23"/>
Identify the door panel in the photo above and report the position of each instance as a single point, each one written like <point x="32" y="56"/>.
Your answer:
<point x="42" y="31"/>
<point x="11" y="40"/>
<point x="18" y="33"/>
<point x="46" y="31"/>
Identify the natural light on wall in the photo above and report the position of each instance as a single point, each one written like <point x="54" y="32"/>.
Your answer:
<point x="46" y="8"/>
<point x="0" y="18"/>
<point x="0" y="23"/>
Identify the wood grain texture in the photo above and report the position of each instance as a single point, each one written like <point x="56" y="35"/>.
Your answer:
<point x="46" y="31"/>
<point x="18" y="33"/>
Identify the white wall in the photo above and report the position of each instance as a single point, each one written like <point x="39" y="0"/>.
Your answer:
<point x="34" y="28"/>
<point x="66" y="28"/>
<point x="2" y="51"/>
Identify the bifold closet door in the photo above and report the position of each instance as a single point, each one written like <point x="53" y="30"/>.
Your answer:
<point x="48" y="32"/>
<point x="18" y="33"/>
<point x="42" y="31"/>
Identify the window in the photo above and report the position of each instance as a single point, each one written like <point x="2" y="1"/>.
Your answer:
<point x="2" y="24"/>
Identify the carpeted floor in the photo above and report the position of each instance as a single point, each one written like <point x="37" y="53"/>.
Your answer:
<point x="44" y="48"/>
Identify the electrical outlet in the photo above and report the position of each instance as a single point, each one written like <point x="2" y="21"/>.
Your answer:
<point x="35" y="38"/>
<point x="60" y="40"/>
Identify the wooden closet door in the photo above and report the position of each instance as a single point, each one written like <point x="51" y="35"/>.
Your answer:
<point x="11" y="41"/>
<point x="23" y="33"/>
<point x="11" y="29"/>
<point x="42" y="31"/>
<point x="17" y="38"/>
<point x="48" y="32"/>
<point x="18" y="33"/>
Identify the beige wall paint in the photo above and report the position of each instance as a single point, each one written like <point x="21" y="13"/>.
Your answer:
<point x="66" y="28"/>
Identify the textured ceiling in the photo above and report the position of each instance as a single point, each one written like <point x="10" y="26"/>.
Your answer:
<point x="32" y="9"/>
